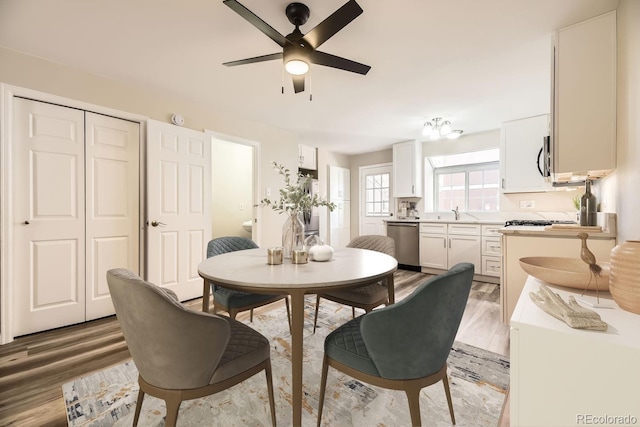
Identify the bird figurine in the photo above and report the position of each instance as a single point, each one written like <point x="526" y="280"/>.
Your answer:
<point x="590" y="259"/>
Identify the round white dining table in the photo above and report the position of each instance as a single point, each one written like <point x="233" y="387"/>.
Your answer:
<point x="248" y="271"/>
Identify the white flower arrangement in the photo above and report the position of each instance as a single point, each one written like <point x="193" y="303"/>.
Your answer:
<point x="294" y="197"/>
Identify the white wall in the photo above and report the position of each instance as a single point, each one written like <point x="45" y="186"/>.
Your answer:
<point x="52" y="78"/>
<point x="231" y="189"/>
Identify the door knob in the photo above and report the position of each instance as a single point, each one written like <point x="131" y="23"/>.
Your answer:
<point x="26" y="223"/>
<point x="157" y="223"/>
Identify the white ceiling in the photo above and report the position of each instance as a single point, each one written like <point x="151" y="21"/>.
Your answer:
<point x="476" y="63"/>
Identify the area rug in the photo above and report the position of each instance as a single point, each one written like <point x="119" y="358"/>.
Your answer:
<point x="478" y="380"/>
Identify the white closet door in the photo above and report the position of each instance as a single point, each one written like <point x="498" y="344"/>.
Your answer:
<point x="179" y="207"/>
<point x="112" y="205"/>
<point x="48" y="216"/>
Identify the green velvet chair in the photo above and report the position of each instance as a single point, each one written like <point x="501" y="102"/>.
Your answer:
<point x="369" y="296"/>
<point x="403" y="346"/>
<point x="231" y="301"/>
<point x="183" y="354"/>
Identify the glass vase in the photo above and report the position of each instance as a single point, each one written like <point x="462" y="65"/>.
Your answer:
<point x="292" y="234"/>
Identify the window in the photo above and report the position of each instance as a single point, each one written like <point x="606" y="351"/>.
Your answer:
<point x="470" y="181"/>
<point x="377" y="195"/>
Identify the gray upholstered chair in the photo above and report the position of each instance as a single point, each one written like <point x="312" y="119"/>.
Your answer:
<point x="183" y="354"/>
<point x="403" y="346"/>
<point x="368" y="296"/>
<point x="230" y="300"/>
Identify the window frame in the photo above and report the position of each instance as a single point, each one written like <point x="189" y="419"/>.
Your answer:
<point x="467" y="168"/>
<point x="380" y="202"/>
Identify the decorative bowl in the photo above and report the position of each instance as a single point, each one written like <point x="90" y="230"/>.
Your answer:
<point x="567" y="272"/>
<point x="320" y="253"/>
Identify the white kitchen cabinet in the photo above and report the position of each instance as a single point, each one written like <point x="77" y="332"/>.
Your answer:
<point x="584" y="99"/>
<point x="307" y="157"/>
<point x="433" y="245"/>
<point x="562" y="376"/>
<point x="491" y="250"/>
<point x="444" y="245"/>
<point x="516" y="246"/>
<point x="340" y="218"/>
<point x="522" y="155"/>
<point x="407" y="169"/>
<point x="340" y="224"/>
<point x="339" y="183"/>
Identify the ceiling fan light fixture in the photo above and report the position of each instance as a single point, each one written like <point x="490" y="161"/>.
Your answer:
<point x="426" y="130"/>
<point x="296" y="67"/>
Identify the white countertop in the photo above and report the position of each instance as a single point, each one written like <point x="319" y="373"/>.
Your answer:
<point x="448" y="221"/>
<point x="623" y="326"/>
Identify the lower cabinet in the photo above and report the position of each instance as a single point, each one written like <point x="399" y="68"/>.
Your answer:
<point x="491" y="250"/>
<point x="562" y="376"/>
<point x="444" y="245"/>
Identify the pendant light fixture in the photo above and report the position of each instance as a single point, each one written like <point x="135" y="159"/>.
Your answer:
<point x="437" y="128"/>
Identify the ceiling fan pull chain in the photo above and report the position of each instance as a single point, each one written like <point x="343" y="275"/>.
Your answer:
<point x="282" y="77"/>
<point x="310" y="88"/>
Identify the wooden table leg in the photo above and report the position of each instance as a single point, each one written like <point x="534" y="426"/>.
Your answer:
<point x="297" y="327"/>
<point x="205" y="295"/>
<point x="391" y="288"/>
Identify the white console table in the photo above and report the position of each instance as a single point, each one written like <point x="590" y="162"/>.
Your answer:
<point x="563" y="377"/>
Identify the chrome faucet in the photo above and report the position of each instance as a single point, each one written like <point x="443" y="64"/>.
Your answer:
<point x="457" y="214"/>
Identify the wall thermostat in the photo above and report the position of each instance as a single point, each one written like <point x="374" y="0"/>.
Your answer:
<point x="177" y="120"/>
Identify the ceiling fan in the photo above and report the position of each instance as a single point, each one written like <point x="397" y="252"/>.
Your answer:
<point x="299" y="50"/>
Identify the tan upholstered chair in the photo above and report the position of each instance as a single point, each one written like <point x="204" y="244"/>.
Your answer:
<point x="183" y="354"/>
<point x="403" y="346"/>
<point x="368" y="296"/>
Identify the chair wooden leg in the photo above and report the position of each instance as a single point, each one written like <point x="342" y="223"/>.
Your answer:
<point x="353" y="312"/>
<point x="251" y="316"/>
<point x="205" y="296"/>
<point x="172" y="400"/>
<point x="136" y="415"/>
<point x="286" y="301"/>
<point x="272" y="402"/>
<point x="413" y="396"/>
<point x="315" y="318"/>
<point x="233" y="313"/>
<point x="323" y="384"/>
<point x="445" y="381"/>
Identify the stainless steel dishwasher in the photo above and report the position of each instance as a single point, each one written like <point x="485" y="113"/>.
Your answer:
<point x="407" y="237"/>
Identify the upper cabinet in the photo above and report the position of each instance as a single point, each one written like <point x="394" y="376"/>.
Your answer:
<point x="522" y="156"/>
<point x="584" y="99"/>
<point x="307" y="157"/>
<point x="407" y="169"/>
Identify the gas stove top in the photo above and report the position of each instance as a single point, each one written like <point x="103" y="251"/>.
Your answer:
<point x="536" y="222"/>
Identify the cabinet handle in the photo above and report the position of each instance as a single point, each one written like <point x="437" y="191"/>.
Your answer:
<point x="444" y="243"/>
<point x="502" y="183"/>
<point x="413" y="188"/>
<point x="449" y="243"/>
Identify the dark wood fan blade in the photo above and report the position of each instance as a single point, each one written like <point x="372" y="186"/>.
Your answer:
<point x="334" y="23"/>
<point x="298" y="83"/>
<point x="329" y="60"/>
<point x="257" y="22"/>
<point x="254" y="59"/>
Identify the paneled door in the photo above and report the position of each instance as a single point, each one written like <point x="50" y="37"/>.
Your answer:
<point x="179" y="207"/>
<point x="376" y="198"/>
<point x="49" y="238"/>
<point x="112" y="205"/>
<point x="75" y="212"/>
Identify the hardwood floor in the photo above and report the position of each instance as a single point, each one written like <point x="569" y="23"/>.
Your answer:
<point x="34" y="367"/>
